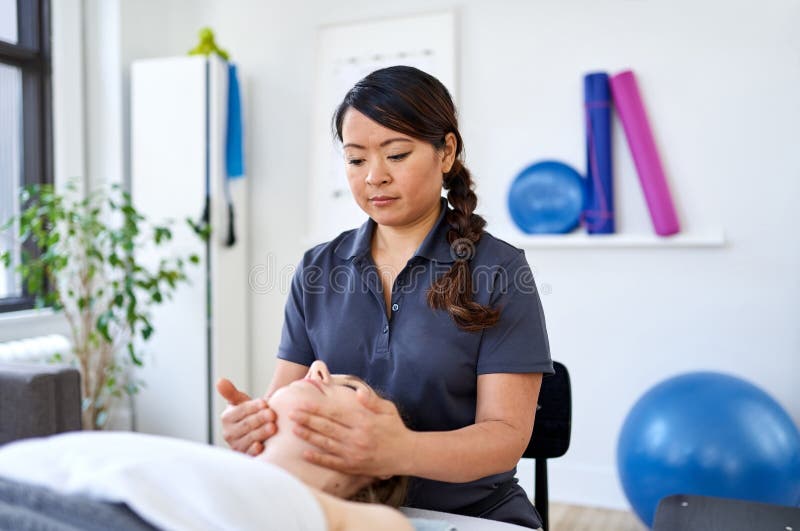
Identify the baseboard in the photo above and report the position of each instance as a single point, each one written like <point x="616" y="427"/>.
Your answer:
<point x="577" y="484"/>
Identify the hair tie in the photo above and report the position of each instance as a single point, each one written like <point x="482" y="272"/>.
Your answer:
<point x="462" y="249"/>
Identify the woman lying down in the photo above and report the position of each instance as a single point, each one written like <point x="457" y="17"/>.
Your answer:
<point x="174" y="484"/>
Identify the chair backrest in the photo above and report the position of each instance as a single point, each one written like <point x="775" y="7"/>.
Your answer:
<point x="553" y="424"/>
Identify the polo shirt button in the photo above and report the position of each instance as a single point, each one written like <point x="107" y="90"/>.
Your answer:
<point x="395" y="307"/>
<point x="385" y="328"/>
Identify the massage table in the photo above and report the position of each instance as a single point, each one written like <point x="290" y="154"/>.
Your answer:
<point x="137" y="482"/>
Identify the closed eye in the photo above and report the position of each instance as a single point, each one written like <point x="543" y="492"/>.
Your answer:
<point x="399" y="156"/>
<point x="349" y="381"/>
<point x="355" y="162"/>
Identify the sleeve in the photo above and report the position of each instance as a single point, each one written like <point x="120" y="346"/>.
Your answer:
<point x="518" y="342"/>
<point x="295" y="344"/>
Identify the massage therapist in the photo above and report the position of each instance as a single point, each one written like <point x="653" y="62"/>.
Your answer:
<point x="437" y="315"/>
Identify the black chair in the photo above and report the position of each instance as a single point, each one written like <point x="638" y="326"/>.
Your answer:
<point x="551" y="431"/>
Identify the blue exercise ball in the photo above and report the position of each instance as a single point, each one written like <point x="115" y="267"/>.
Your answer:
<point x="708" y="434"/>
<point x="546" y="198"/>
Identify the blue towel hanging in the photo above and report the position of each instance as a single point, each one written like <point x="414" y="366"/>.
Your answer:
<point x="234" y="152"/>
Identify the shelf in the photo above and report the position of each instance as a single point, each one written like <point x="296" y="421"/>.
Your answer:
<point x="581" y="240"/>
<point x="605" y="241"/>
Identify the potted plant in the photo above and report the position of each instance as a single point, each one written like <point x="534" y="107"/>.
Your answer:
<point x="78" y="256"/>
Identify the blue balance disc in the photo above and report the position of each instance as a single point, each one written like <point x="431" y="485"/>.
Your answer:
<point x="546" y="198"/>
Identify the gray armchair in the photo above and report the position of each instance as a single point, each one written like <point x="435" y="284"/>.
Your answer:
<point x="38" y="400"/>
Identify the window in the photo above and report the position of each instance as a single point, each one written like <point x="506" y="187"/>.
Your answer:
<point x="26" y="151"/>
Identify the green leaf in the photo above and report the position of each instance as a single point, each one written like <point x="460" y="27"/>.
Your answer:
<point x="93" y="338"/>
<point x="136" y="360"/>
<point x="34" y="283"/>
<point x="93" y="252"/>
<point x="162" y="234"/>
<point x="102" y="325"/>
<point x="193" y="258"/>
<point x="202" y="230"/>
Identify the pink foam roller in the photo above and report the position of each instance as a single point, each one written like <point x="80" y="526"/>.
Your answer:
<point x="630" y="108"/>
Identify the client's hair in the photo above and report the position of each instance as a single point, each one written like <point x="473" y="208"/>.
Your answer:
<point x="391" y="492"/>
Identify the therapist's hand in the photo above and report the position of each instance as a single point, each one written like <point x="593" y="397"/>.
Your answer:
<point x="369" y="441"/>
<point x="246" y="423"/>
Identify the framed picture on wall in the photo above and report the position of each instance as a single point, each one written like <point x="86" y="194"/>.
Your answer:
<point x="345" y="54"/>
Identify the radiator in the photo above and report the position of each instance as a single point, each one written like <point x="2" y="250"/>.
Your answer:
<point x="38" y="349"/>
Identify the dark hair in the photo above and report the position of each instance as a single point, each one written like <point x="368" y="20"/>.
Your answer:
<point x="410" y="101"/>
<point x="391" y="492"/>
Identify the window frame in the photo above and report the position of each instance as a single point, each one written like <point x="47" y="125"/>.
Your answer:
<point x="32" y="54"/>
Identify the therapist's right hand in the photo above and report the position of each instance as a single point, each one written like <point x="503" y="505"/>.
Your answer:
<point x="246" y="423"/>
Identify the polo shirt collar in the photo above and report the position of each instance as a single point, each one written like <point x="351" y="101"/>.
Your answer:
<point x="433" y="247"/>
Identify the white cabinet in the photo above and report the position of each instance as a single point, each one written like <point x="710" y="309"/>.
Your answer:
<point x="178" y="121"/>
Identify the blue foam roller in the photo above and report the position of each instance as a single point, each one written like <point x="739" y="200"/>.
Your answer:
<point x="599" y="208"/>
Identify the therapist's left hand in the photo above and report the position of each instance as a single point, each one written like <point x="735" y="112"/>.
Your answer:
<point x="371" y="440"/>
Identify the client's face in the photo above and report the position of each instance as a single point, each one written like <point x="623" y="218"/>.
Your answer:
<point x="318" y="386"/>
<point x="286" y="449"/>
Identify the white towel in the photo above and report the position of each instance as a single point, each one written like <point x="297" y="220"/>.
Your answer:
<point x="171" y="483"/>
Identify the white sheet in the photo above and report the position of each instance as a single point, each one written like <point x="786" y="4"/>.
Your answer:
<point x="462" y="523"/>
<point x="171" y="483"/>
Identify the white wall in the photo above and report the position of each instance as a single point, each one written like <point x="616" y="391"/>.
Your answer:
<point x="152" y="28"/>
<point x="718" y="79"/>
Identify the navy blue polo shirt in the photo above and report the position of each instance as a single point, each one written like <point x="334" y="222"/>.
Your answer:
<point x="418" y="357"/>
